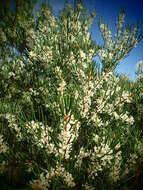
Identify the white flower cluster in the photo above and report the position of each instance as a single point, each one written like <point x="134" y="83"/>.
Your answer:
<point x="106" y="33"/>
<point x="33" y="126"/>
<point x="96" y="119"/>
<point x="106" y="76"/>
<point x="41" y="135"/>
<point x="44" y="182"/>
<point x="62" y="87"/>
<point x="88" y="187"/>
<point x="3" y="165"/>
<point x="126" y="118"/>
<point x="58" y="71"/>
<point x="33" y="92"/>
<point x="69" y="132"/>
<point x="85" y="103"/>
<point x="126" y="97"/>
<point x="117" y="47"/>
<point x="111" y="100"/>
<point x="17" y="69"/>
<point x="99" y="157"/>
<point x="3" y="146"/>
<point x="116" y="166"/>
<point x="131" y="161"/>
<point x="62" y="83"/>
<point x="103" y="54"/>
<point x="120" y="22"/>
<point x="82" y="55"/>
<point x="12" y="124"/>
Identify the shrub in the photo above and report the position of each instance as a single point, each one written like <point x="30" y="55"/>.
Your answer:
<point x="63" y="122"/>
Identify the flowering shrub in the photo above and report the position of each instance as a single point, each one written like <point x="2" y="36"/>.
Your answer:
<point x="116" y="47"/>
<point x="61" y="120"/>
<point x="137" y="102"/>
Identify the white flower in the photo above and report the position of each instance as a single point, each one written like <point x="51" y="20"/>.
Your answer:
<point x="46" y="178"/>
<point x="116" y="115"/>
<point x="88" y="187"/>
<point x="3" y="147"/>
<point x="58" y="71"/>
<point x="76" y="94"/>
<point x="102" y="26"/>
<point x="62" y="87"/>
<point x="103" y="54"/>
<point x="82" y="55"/>
<point x="69" y="132"/>
<point x="32" y="54"/>
<point x="110" y="55"/>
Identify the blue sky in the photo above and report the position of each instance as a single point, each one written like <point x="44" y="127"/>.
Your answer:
<point x="109" y="10"/>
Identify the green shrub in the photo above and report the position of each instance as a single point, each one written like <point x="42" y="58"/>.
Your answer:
<point x="63" y="123"/>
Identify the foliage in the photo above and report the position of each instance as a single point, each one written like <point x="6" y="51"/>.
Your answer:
<point x="15" y="27"/>
<point x="137" y="104"/>
<point x="62" y="123"/>
<point x="118" y="46"/>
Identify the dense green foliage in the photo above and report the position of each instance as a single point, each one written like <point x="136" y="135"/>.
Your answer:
<point x="63" y="123"/>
